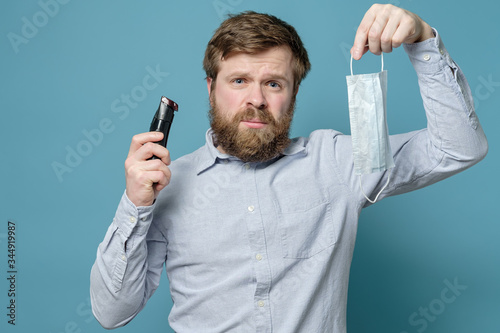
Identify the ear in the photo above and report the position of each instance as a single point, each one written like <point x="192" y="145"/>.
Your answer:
<point x="209" y="86"/>
<point x="297" y="90"/>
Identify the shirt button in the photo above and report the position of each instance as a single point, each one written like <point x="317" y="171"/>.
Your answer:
<point x="258" y="257"/>
<point x="132" y="219"/>
<point x="247" y="166"/>
<point x="261" y="303"/>
<point x="251" y="208"/>
<point x="427" y="57"/>
<point x="143" y="219"/>
<point x="123" y="258"/>
<point x="441" y="51"/>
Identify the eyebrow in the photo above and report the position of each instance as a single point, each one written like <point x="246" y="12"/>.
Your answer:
<point x="272" y="76"/>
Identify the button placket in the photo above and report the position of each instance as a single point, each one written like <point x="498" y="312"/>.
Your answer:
<point x="257" y="238"/>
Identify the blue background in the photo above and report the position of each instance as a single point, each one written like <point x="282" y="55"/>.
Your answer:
<point x="62" y="76"/>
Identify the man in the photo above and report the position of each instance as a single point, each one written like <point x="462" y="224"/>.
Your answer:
<point x="256" y="230"/>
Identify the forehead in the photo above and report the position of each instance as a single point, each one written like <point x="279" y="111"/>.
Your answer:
<point x="276" y="60"/>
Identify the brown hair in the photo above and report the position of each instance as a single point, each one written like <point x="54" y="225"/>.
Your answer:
<point x="251" y="32"/>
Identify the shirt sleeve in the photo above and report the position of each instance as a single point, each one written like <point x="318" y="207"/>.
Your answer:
<point x="453" y="140"/>
<point x="128" y="266"/>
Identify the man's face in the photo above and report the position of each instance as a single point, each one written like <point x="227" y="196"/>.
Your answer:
<point x="252" y="104"/>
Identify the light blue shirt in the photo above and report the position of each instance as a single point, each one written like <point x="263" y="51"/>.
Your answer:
<point x="267" y="247"/>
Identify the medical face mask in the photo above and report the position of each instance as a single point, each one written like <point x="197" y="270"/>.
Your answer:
<point x="367" y="94"/>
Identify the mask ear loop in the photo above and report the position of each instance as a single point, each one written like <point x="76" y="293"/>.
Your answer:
<point x="382" y="190"/>
<point x="381" y="57"/>
<point x="389" y="175"/>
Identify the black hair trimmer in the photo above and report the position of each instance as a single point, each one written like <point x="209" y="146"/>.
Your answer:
<point x="163" y="119"/>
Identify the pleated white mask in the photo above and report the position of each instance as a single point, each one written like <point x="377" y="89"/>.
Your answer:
<point x="367" y="94"/>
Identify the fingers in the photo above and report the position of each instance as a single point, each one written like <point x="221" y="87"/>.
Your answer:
<point x="383" y="28"/>
<point x="140" y="161"/>
<point x="140" y="139"/>
<point x="361" y="38"/>
<point x="162" y="181"/>
<point x="376" y="30"/>
<point x="147" y="173"/>
<point x="387" y="36"/>
<point x="150" y="149"/>
<point x="402" y="34"/>
<point x="143" y="148"/>
<point x="145" y="177"/>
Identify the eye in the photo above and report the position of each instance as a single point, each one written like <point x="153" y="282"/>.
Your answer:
<point x="238" y="81"/>
<point x="274" y="84"/>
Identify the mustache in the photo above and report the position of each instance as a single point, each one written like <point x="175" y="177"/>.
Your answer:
<point x="263" y="115"/>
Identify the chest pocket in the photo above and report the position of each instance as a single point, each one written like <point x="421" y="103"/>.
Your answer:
<point x="306" y="226"/>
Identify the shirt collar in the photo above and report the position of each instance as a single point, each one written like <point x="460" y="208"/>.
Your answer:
<point x="210" y="155"/>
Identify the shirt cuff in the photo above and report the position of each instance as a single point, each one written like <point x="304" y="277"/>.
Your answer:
<point x="430" y="55"/>
<point x="132" y="219"/>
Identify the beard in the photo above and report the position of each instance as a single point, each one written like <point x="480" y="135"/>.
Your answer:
<point x="251" y="144"/>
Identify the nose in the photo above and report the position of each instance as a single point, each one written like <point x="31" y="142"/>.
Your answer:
<point x="256" y="97"/>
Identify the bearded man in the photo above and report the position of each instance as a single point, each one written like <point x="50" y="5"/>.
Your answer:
<point x="257" y="230"/>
